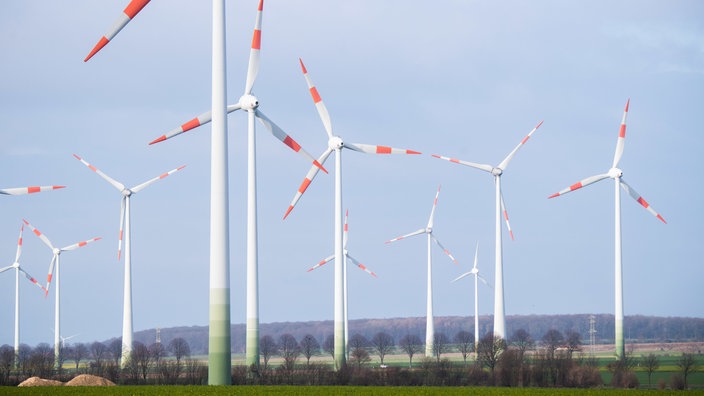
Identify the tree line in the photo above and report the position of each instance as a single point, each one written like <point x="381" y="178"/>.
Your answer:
<point x="555" y="359"/>
<point x="637" y="328"/>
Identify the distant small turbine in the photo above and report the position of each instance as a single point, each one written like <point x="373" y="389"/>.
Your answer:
<point x="429" y="326"/>
<point x="475" y="272"/>
<point x="16" y="266"/>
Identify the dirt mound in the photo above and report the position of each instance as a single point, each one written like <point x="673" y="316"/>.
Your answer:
<point x="89" y="380"/>
<point x="36" y="381"/>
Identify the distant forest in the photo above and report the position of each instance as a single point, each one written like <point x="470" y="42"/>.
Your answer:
<point x="637" y="329"/>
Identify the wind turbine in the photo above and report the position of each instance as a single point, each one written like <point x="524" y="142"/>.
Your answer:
<point x="127" y="328"/>
<point x="475" y="271"/>
<point x="55" y="260"/>
<point x="16" y="266"/>
<point x="354" y="261"/>
<point x="428" y="230"/>
<point x="249" y="103"/>
<point x="496" y="172"/>
<point x="219" y="343"/>
<point x="336" y="144"/>
<point x="617" y="174"/>
<point x="28" y="190"/>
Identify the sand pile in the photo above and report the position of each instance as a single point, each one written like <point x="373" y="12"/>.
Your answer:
<point x="36" y="381"/>
<point x="89" y="380"/>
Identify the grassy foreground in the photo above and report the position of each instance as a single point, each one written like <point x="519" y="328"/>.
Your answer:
<point x="325" y="390"/>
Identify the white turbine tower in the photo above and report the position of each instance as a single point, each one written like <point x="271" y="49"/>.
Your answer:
<point x="344" y="272"/>
<point x="616" y="174"/>
<point x="428" y="230"/>
<point x="16" y="266"/>
<point x="336" y="144"/>
<point x="56" y="261"/>
<point x="249" y="103"/>
<point x="219" y="343"/>
<point x="28" y="190"/>
<point x="125" y="230"/>
<point x="475" y="271"/>
<point x="496" y="172"/>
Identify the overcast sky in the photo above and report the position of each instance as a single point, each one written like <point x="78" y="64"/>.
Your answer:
<point x="464" y="79"/>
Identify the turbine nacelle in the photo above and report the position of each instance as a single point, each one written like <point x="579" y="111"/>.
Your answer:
<point x="248" y="102"/>
<point x="126" y="192"/>
<point x="56" y="251"/>
<point x="615" y="173"/>
<point x="336" y="143"/>
<point x="15" y="265"/>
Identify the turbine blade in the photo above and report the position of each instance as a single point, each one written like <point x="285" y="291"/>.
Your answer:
<point x="149" y="182"/>
<point x="481" y="278"/>
<point x="361" y="266"/>
<point x="253" y="67"/>
<point x="508" y="158"/>
<point x="19" y="245"/>
<point x="50" y="274"/>
<point x="621" y="137"/>
<point x="421" y="231"/>
<point x="432" y="212"/>
<point x="28" y="190"/>
<point x="309" y="179"/>
<point x="80" y="244"/>
<point x="31" y="279"/>
<point x="460" y="277"/>
<point x="192" y="124"/>
<point x="40" y="235"/>
<point x="580" y="184"/>
<point x="484" y="167"/>
<point x="373" y="149"/>
<point x="319" y="104"/>
<point x="128" y="14"/>
<point x="321" y="263"/>
<point x="119" y="186"/>
<point x="505" y="213"/>
<point x="286" y="139"/>
<point x="447" y="252"/>
<point x="123" y="203"/>
<point x="9" y="267"/>
<point x="476" y="256"/>
<point x="641" y="200"/>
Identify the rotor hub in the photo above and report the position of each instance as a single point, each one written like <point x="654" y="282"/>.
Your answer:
<point x="336" y="143"/>
<point x="56" y="251"/>
<point x="15" y="265"/>
<point x="126" y="192"/>
<point x="497" y="171"/>
<point x="615" y="173"/>
<point x="249" y="102"/>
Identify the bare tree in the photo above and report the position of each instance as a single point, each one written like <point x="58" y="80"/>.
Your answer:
<point x="141" y="359"/>
<point x="329" y="345"/>
<point x="465" y="343"/>
<point x="552" y="340"/>
<point x="687" y="365"/>
<point x="42" y="360"/>
<point x="23" y="359"/>
<point x="267" y="349"/>
<point x="158" y="353"/>
<point x="573" y="341"/>
<point x="489" y="350"/>
<point x="411" y="344"/>
<point x="441" y="344"/>
<point x="359" y="356"/>
<point x="99" y="352"/>
<point x="309" y="347"/>
<point x="115" y="350"/>
<point x="7" y="362"/>
<point x="180" y="349"/>
<point x="80" y="352"/>
<point x="383" y="343"/>
<point x="650" y="364"/>
<point x="290" y="350"/>
<point x="522" y="341"/>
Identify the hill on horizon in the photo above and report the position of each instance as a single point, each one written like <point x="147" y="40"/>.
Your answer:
<point x="637" y="328"/>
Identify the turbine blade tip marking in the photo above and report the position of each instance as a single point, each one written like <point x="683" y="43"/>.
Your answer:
<point x="661" y="219"/>
<point x="101" y="43"/>
<point x="158" y="140"/>
<point x="554" y="195"/>
<point x="288" y="211"/>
